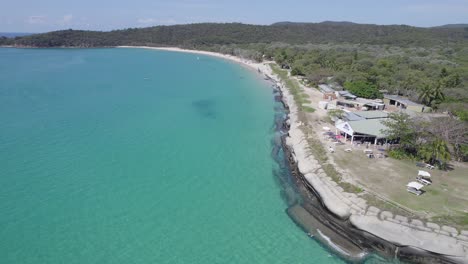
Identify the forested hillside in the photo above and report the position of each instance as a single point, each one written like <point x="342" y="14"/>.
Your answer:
<point x="235" y="33"/>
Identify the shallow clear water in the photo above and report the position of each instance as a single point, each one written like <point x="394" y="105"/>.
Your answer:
<point x="139" y="156"/>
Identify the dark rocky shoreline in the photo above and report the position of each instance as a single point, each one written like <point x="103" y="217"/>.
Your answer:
<point x="310" y="214"/>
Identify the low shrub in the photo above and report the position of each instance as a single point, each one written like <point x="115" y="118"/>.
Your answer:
<point x="400" y="154"/>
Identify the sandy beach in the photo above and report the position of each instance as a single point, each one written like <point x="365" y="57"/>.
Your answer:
<point x="244" y="62"/>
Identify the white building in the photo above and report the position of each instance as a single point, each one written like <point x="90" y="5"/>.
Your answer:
<point x="366" y="129"/>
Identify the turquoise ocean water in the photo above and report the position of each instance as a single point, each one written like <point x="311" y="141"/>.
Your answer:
<point x="140" y="156"/>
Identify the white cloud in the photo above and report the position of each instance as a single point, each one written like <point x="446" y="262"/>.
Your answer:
<point x="35" y="20"/>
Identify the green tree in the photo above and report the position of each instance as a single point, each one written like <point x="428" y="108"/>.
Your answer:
<point x="443" y="73"/>
<point x="398" y="127"/>
<point x="437" y="93"/>
<point x="297" y="71"/>
<point x="462" y="114"/>
<point x="363" y="89"/>
<point x="437" y="96"/>
<point x="412" y="80"/>
<point x="462" y="151"/>
<point x="436" y="151"/>
<point x="426" y="95"/>
<point x="335" y="113"/>
<point x="451" y="81"/>
<point x="431" y="95"/>
<point x="281" y="57"/>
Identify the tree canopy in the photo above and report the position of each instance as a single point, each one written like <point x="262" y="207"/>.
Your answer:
<point x="196" y="35"/>
<point x="363" y="89"/>
<point x="435" y="141"/>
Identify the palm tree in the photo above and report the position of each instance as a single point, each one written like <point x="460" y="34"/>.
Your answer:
<point x="426" y="95"/>
<point x="437" y="93"/>
<point x="443" y="73"/>
<point x="436" y="151"/>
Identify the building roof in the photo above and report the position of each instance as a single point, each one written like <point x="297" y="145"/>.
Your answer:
<point x="400" y="99"/>
<point x="336" y="86"/>
<point x="326" y="88"/>
<point x="371" y="127"/>
<point x="371" y="114"/>
<point x="348" y="101"/>
<point x="351" y="116"/>
<point x="347" y="94"/>
<point x="364" y="100"/>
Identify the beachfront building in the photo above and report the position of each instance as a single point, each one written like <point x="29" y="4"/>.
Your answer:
<point x="371" y="114"/>
<point x="346" y="95"/>
<point x="369" y="130"/>
<point x="330" y="88"/>
<point x="347" y="104"/>
<point x="368" y="104"/>
<point x="328" y="92"/>
<point x="324" y="88"/>
<point x="363" y="115"/>
<point x="405" y="103"/>
<point x="361" y="103"/>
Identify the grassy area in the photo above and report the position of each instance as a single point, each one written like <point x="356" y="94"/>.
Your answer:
<point x="308" y="109"/>
<point x="294" y="88"/>
<point x="458" y="220"/>
<point x="319" y="152"/>
<point x="444" y="202"/>
<point x="385" y="205"/>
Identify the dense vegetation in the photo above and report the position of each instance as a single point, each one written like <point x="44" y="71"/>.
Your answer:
<point x="436" y="76"/>
<point x="363" y="89"/>
<point x="195" y="35"/>
<point x="435" y="141"/>
<point x="429" y="65"/>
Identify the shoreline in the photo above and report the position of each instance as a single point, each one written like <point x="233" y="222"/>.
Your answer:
<point x="243" y="62"/>
<point x="354" y="223"/>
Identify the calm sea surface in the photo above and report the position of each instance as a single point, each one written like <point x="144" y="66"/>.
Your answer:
<point x="140" y="156"/>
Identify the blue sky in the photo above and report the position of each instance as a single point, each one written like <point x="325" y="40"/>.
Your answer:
<point x="46" y="15"/>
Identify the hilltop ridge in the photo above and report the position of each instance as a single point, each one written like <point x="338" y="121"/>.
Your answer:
<point x="207" y="34"/>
